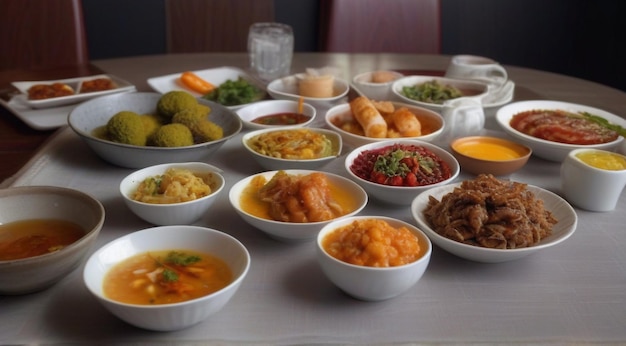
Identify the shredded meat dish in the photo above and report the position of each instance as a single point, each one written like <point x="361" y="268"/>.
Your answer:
<point x="491" y="213"/>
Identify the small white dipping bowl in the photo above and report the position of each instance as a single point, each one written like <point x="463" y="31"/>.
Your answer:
<point x="561" y="210"/>
<point x="380" y="91"/>
<point x="275" y="163"/>
<point x="372" y="283"/>
<point x="259" y="109"/>
<point x="293" y="231"/>
<point x="399" y="195"/>
<point x="27" y="275"/>
<point x="168" y="317"/>
<point x="287" y="89"/>
<point x="471" y="89"/>
<point x="342" y="113"/>
<point x="554" y="151"/>
<point x="175" y="213"/>
<point x="96" y="112"/>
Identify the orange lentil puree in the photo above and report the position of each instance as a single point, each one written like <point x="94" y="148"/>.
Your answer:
<point x="373" y="243"/>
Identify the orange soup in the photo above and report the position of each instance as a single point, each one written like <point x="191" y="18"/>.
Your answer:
<point x="30" y="238"/>
<point x="166" y="277"/>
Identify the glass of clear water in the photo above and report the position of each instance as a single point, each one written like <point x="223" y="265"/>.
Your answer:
<point x="270" y="46"/>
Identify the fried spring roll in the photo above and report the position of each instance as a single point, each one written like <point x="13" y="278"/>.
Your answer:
<point x="407" y="123"/>
<point x="368" y="117"/>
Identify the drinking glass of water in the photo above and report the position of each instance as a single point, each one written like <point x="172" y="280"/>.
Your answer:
<point x="270" y="46"/>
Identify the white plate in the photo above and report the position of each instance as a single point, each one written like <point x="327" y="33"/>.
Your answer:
<point x="215" y="76"/>
<point x="122" y="86"/>
<point x="549" y="150"/>
<point x="562" y="211"/>
<point x="287" y="89"/>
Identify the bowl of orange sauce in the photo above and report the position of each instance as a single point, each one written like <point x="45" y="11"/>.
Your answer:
<point x="490" y="155"/>
<point x="45" y="234"/>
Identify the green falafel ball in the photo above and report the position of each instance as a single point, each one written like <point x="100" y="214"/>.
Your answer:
<point x="151" y="123"/>
<point x="189" y="116"/>
<point x="174" y="101"/>
<point x="126" y="127"/>
<point x="206" y="131"/>
<point x="172" y="135"/>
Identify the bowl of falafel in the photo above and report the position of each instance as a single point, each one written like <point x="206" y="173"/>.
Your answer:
<point x="137" y="130"/>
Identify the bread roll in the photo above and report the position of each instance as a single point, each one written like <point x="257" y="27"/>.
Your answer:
<point x="368" y="117"/>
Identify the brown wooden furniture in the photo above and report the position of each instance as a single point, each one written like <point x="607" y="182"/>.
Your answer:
<point x="42" y="34"/>
<point x="376" y="26"/>
<point x="213" y="26"/>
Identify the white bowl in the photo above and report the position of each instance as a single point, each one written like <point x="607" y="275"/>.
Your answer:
<point x="287" y="89"/>
<point x="549" y="150"/>
<point x="472" y="89"/>
<point x="27" y="275"/>
<point x="373" y="283"/>
<point x="176" y="213"/>
<point x="552" y="202"/>
<point x="292" y="231"/>
<point x="168" y="317"/>
<point x="274" y="163"/>
<point x="215" y="76"/>
<point x="375" y="91"/>
<point x="400" y="195"/>
<point x="263" y="108"/>
<point x="342" y="113"/>
<point x="96" y="112"/>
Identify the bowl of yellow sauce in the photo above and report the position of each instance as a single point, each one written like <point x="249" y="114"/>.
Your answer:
<point x="490" y="155"/>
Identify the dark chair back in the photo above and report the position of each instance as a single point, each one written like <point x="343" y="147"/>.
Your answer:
<point x="42" y="34"/>
<point x="213" y="25"/>
<point x="380" y="26"/>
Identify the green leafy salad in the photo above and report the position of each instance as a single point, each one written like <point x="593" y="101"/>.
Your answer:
<point x="431" y="92"/>
<point x="235" y="92"/>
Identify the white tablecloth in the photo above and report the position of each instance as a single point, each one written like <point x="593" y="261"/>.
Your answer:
<point x="574" y="293"/>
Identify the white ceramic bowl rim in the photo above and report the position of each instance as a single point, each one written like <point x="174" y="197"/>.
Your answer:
<point x="208" y="168"/>
<point x="37" y="189"/>
<point x="235" y="281"/>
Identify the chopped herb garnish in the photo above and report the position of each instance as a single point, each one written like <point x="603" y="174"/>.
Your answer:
<point x="181" y="259"/>
<point x="604" y="123"/>
<point x="169" y="275"/>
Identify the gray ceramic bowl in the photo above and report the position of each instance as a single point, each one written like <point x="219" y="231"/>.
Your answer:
<point x="96" y="112"/>
<point x="27" y="275"/>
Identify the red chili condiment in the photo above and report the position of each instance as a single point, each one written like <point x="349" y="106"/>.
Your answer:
<point x="282" y="119"/>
